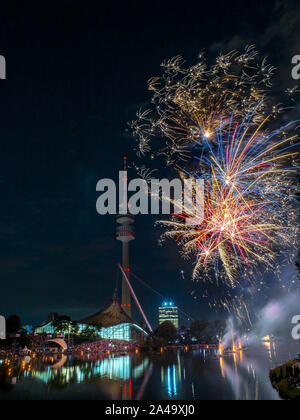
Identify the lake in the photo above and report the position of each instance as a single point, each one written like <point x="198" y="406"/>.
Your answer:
<point x="173" y="375"/>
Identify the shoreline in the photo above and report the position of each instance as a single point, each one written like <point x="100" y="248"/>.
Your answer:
<point x="285" y="379"/>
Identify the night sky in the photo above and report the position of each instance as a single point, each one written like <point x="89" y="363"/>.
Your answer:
<point x="76" y="74"/>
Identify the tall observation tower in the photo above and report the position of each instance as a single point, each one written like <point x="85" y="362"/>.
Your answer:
<point x="125" y="234"/>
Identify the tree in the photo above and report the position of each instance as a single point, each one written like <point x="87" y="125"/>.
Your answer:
<point x="96" y="325"/>
<point x="13" y="324"/>
<point x="167" y="331"/>
<point x="89" y="333"/>
<point x="63" y="324"/>
<point x="220" y="327"/>
<point x="198" y="328"/>
<point x="208" y="332"/>
<point x="25" y="340"/>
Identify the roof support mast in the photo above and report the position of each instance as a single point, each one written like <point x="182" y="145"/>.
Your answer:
<point x="135" y="298"/>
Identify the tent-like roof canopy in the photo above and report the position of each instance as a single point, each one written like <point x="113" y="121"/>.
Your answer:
<point x="112" y="315"/>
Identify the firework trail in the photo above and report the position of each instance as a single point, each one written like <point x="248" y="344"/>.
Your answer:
<point x="215" y="123"/>
<point x="248" y="203"/>
<point x="249" y="207"/>
<point x="189" y="103"/>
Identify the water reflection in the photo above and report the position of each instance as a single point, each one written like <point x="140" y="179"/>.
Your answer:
<point x="248" y="376"/>
<point x="113" y="373"/>
<point x="180" y="374"/>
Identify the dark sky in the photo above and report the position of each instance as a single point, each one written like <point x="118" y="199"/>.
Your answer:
<point x="76" y="74"/>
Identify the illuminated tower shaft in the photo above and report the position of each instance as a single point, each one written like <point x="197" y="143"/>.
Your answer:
<point x="125" y="234"/>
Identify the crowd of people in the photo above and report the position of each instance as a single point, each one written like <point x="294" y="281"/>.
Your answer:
<point x="3" y="350"/>
<point x="107" y="345"/>
<point x="38" y="342"/>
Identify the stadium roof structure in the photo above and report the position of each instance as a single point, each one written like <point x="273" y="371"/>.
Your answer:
<point x="111" y="315"/>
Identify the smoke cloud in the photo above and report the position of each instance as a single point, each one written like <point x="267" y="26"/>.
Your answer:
<point x="274" y="319"/>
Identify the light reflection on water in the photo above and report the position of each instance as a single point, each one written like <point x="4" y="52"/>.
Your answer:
<point x="179" y="374"/>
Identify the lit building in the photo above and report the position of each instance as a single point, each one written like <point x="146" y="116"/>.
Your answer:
<point x="114" y="323"/>
<point x="111" y="323"/>
<point x="46" y="328"/>
<point x="169" y="312"/>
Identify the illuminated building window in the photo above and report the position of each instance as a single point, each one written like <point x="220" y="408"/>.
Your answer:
<point x="169" y="312"/>
<point x="124" y="332"/>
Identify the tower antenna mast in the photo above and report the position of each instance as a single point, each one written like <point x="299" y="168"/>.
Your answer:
<point x="125" y="234"/>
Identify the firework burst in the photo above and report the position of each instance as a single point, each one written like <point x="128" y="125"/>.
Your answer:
<point x="188" y="104"/>
<point x="215" y="123"/>
<point x="248" y="203"/>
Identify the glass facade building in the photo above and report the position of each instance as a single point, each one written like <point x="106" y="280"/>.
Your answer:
<point x="112" y="323"/>
<point x="169" y="312"/>
<point x="124" y="332"/>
